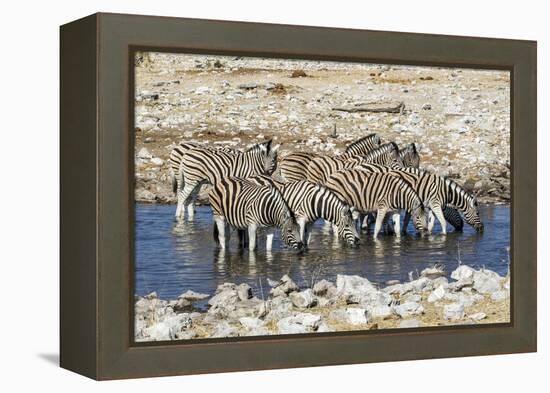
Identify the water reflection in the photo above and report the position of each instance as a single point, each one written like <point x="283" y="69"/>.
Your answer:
<point x="172" y="257"/>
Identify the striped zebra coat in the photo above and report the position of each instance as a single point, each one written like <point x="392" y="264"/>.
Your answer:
<point x="242" y="204"/>
<point x="320" y="169"/>
<point x="378" y="192"/>
<point x="309" y="202"/>
<point x="203" y="166"/>
<point x="176" y="156"/>
<point x="450" y="214"/>
<point x="438" y="192"/>
<point x="293" y="167"/>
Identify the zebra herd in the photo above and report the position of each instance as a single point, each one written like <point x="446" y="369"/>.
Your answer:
<point x="368" y="182"/>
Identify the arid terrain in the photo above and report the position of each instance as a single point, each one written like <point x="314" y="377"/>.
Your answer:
<point x="459" y="118"/>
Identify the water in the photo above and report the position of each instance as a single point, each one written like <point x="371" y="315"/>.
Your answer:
<point x="172" y="258"/>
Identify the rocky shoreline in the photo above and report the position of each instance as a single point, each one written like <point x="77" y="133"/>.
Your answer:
<point x="459" y="118"/>
<point x="470" y="296"/>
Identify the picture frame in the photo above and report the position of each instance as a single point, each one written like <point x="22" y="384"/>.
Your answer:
<point x="97" y="198"/>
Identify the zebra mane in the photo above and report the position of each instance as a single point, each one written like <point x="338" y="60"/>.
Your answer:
<point x="394" y="145"/>
<point x="276" y="192"/>
<point x="375" y="138"/>
<point x="260" y="146"/>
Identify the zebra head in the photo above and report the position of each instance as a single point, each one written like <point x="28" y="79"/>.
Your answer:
<point x="290" y="233"/>
<point x="393" y="158"/>
<point x="420" y="221"/>
<point x="269" y="157"/>
<point x="461" y="199"/>
<point x="471" y="214"/>
<point x="410" y="156"/>
<point x="346" y="228"/>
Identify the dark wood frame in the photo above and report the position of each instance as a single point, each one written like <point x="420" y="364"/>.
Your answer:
<point x="97" y="163"/>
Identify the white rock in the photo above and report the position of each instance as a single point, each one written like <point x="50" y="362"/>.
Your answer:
<point x="353" y="288"/>
<point x="408" y="308"/>
<point x="299" y="323"/>
<point x="251" y="323"/>
<point x="144" y="154"/>
<point x="437" y="294"/>
<point x="380" y="312"/>
<point x="224" y="329"/>
<point x="192" y="295"/>
<point x="486" y="281"/>
<point x="202" y="90"/>
<point x="324" y="328"/>
<point x="244" y="291"/>
<point x="454" y="311"/>
<point x="157" y="161"/>
<point x="478" y="316"/>
<point x="462" y="272"/>
<point x="284" y="287"/>
<point x="159" y="332"/>
<point x="324" y="288"/>
<point x="353" y="316"/>
<point x="303" y="299"/>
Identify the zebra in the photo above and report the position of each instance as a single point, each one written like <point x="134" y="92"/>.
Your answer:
<point x="450" y="214"/>
<point x="363" y="145"/>
<point x="293" y="167"/>
<point x="176" y="156"/>
<point x="380" y="192"/>
<point x="320" y="169"/>
<point x="242" y="204"/>
<point x="309" y="202"/>
<point x="409" y="156"/>
<point x="438" y="192"/>
<point x="205" y="166"/>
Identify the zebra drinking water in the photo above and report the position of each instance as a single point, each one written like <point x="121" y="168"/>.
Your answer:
<point x="242" y="204"/>
<point x="450" y="214"/>
<point x="205" y="166"/>
<point x="309" y="202"/>
<point x="378" y="192"/>
<point x="438" y="192"/>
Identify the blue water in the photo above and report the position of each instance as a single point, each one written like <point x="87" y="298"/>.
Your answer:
<point x="172" y="258"/>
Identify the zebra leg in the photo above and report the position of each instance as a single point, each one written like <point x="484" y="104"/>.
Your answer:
<point x="441" y="218"/>
<point x="302" y="225"/>
<point x="222" y="226"/>
<point x="242" y="238"/>
<point x="180" y="182"/>
<point x="396" y="218"/>
<point x="269" y="242"/>
<point x="252" y="236"/>
<point x="380" y="215"/>
<point x="307" y="234"/>
<point x="184" y="198"/>
<point x="406" y="220"/>
<point x="190" y="202"/>
<point x="431" y="221"/>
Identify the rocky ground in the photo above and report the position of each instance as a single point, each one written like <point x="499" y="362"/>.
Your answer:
<point x="459" y="118"/>
<point x="351" y="303"/>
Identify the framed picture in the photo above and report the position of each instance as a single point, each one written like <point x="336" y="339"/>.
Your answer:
<point x="240" y="196"/>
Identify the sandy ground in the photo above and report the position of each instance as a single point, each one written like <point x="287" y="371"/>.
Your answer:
<point x="459" y="118"/>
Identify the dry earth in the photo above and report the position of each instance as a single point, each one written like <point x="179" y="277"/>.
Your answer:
<point x="459" y="118"/>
